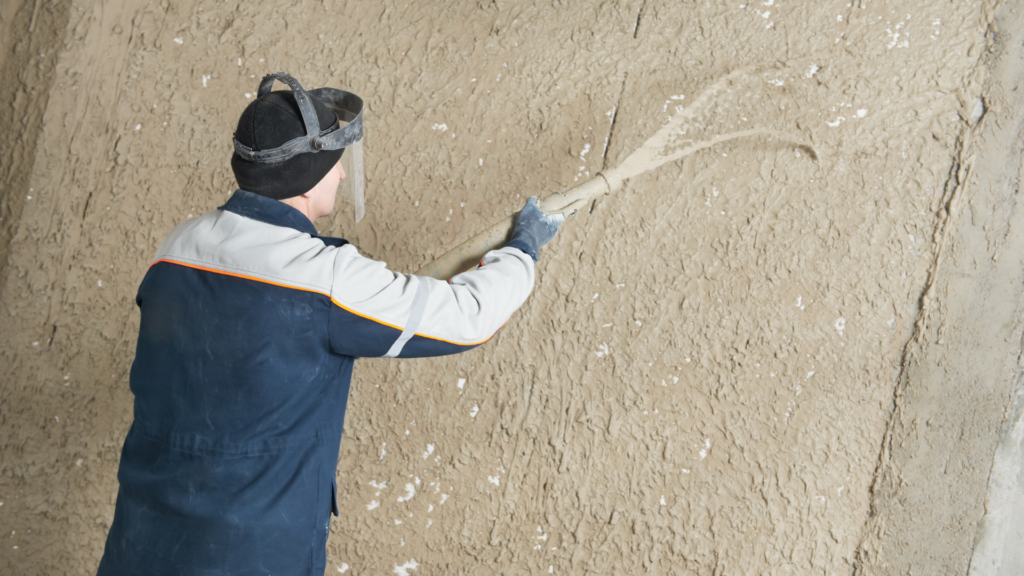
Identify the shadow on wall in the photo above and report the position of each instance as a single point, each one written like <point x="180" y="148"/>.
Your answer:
<point x="33" y="32"/>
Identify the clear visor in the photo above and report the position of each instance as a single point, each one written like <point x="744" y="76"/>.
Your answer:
<point x="352" y="185"/>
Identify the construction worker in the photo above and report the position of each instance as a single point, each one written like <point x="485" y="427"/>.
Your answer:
<point x="251" y="324"/>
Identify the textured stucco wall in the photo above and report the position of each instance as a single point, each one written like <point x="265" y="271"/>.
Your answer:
<point x="704" y="374"/>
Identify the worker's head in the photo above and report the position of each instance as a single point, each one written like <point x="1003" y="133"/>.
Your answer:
<point x="288" y="144"/>
<point x="268" y="122"/>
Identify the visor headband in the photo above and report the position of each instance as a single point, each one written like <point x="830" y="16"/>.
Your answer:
<point x="346" y="107"/>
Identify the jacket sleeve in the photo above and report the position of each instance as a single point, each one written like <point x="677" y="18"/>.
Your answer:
<point x="377" y="312"/>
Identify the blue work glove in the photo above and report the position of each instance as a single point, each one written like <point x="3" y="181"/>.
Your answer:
<point x="534" y="228"/>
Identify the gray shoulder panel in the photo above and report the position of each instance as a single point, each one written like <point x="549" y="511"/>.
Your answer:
<point x="225" y="242"/>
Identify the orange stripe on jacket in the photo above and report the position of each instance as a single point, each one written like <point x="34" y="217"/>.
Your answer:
<point x="336" y="303"/>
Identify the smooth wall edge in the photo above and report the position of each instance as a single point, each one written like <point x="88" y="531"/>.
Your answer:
<point x="1005" y="498"/>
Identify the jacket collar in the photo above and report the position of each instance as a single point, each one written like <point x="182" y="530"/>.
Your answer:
<point x="268" y="210"/>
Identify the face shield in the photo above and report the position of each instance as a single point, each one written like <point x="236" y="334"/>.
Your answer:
<point x="347" y="133"/>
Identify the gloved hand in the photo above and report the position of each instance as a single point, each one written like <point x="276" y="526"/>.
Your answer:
<point x="534" y="228"/>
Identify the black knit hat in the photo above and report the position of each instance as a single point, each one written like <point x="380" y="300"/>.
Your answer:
<point x="268" y="122"/>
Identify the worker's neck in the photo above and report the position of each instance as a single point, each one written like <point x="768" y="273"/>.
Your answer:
<point x="302" y="204"/>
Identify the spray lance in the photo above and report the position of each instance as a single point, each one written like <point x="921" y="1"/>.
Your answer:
<point x="667" y="145"/>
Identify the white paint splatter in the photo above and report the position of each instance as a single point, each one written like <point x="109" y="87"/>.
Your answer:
<point x="410" y="491"/>
<point x="383" y="451"/>
<point x="704" y="450"/>
<point x="179" y="41"/>
<point x="840" y="325"/>
<point x="895" y="35"/>
<point x="373" y="505"/>
<point x="344" y="568"/>
<point x="443" y="498"/>
<point x="494" y="480"/>
<point x="205" y="78"/>
<point x="602" y="350"/>
<point x="474" y="411"/>
<point x="461" y="383"/>
<point x="430" y="450"/>
<point x="404" y="569"/>
<point x="813" y="70"/>
<point x="441" y="127"/>
<point x="663" y="501"/>
<point x="862" y="112"/>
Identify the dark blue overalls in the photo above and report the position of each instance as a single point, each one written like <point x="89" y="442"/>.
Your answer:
<point x="251" y="323"/>
<point x="229" y="465"/>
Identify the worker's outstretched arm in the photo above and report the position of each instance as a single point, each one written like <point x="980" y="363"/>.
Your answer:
<point x="378" y="312"/>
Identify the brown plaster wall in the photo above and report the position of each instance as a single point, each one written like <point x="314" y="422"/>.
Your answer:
<point x="700" y="382"/>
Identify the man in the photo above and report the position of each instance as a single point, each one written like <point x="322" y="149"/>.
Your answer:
<point x="251" y="323"/>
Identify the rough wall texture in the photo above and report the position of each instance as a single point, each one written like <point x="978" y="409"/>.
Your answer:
<point x="31" y="39"/>
<point x="704" y="374"/>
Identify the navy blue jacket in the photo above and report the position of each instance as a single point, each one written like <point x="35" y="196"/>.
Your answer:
<point x="251" y="323"/>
